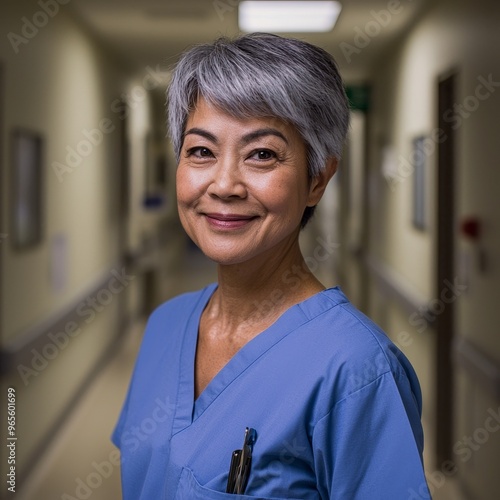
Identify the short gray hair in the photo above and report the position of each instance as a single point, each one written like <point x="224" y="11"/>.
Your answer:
<point x="261" y="74"/>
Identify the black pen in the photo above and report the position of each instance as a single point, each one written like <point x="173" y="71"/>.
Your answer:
<point x="241" y="462"/>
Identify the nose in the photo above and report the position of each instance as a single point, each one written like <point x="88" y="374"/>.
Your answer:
<point x="227" y="180"/>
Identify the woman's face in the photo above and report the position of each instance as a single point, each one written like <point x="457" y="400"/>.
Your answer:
<point x="242" y="184"/>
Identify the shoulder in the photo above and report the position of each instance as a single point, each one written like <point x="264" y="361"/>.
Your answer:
<point x="359" y="351"/>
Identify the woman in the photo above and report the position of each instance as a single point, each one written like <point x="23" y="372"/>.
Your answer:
<point x="331" y="406"/>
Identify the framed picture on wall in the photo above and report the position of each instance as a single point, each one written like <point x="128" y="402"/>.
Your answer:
<point x="419" y="158"/>
<point x="155" y="180"/>
<point x="27" y="180"/>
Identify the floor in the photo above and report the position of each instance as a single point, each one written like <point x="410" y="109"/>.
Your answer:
<point x="81" y="454"/>
<point x="82" y="460"/>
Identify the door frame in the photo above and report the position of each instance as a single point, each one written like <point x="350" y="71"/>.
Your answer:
<point x="445" y="264"/>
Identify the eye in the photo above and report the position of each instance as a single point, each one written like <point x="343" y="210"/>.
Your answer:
<point x="263" y="154"/>
<point x="200" y="152"/>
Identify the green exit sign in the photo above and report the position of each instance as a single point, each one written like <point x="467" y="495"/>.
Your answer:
<point x="359" y="97"/>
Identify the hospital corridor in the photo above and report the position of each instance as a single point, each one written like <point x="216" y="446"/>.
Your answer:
<point x="91" y="242"/>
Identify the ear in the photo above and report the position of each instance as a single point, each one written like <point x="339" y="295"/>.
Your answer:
<point x="319" y="183"/>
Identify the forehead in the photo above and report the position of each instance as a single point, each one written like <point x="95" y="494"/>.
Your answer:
<point x="218" y="121"/>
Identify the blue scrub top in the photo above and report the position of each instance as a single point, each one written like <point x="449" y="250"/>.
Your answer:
<point x="336" y="407"/>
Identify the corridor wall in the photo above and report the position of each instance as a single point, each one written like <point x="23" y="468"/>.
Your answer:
<point x="459" y="37"/>
<point x="59" y="84"/>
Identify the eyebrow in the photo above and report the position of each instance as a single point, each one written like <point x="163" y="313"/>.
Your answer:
<point x="246" y="139"/>
<point x="203" y="133"/>
<point x="262" y="132"/>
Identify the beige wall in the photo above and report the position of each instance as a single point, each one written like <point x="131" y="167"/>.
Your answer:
<point x="59" y="84"/>
<point x="64" y="85"/>
<point x="460" y="36"/>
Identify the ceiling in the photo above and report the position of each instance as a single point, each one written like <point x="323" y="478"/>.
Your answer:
<point x="152" y="32"/>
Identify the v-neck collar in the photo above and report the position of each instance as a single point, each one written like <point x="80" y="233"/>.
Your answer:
<point x="185" y="395"/>
<point x="189" y="410"/>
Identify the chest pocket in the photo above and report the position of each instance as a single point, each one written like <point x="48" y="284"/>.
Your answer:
<point x="190" y="489"/>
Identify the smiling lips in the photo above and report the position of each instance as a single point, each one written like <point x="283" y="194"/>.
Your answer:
<point x="228" y="221"/>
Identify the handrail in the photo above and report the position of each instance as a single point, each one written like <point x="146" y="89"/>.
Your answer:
<point x="478" y="365"/>
<point x="396" y="286"/>
<point x="19" y="351"/>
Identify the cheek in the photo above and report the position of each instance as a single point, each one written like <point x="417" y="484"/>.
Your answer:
<point x="285" y="196"/>
<point x="181" y="185"/>
<point x="187" y="184"/>
<point x="186" y="199"/>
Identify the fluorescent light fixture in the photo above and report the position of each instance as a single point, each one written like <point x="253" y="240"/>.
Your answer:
<point x="288" y="16"/>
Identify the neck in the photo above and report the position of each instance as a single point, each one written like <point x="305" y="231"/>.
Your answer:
<point x="262" y="289"/>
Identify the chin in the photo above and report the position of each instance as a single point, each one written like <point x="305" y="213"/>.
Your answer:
<point x="226" y="258"/>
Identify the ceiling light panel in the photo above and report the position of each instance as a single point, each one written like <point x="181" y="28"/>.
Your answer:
<point x="289" y="17"/>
